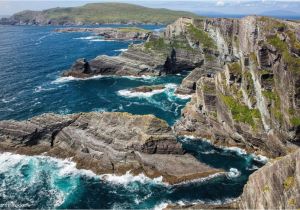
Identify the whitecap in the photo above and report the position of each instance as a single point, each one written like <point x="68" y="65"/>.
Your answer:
<point x="260" y="158"/>
<point x="7" y="100"/>
<point x="237" y="150"/>
<point x="39" y="89"/>
<point x="233" y="173"/>
<point x="102" y="40"/>
<point x="143" y="77"/>
<point x="132" y="94"/>
<point x="183" y="97"/>
<point x="87" y="37"/>
<point x="121" y="50"/>
<point x="70" y="78"/>
<point x="129" y="178"/>
<point x="161" y="206"/>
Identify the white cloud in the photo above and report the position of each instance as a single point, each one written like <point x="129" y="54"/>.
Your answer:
<point x="220" y="3"/>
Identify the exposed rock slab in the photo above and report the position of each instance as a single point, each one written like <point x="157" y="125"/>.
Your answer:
<point x="112" y="33"/>
<point x="105" y="143"/>
<point x="274" y="186"/>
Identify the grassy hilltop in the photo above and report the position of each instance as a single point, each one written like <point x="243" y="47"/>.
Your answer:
<point x="99" y="13"/>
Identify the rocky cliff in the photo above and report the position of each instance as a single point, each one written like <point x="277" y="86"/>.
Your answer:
<point x="245" y="82"/>
<point x="251" y="98"/>
<point x="105" y="143"/>
<point x="275" y="186"/>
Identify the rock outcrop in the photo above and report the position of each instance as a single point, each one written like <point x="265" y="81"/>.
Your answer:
<point x="274" y="186"/>
<point x="130" y="33"/>
<point x="253" y="101"/>
<point x="105" y="143"/>
<point x="161" y="54"/>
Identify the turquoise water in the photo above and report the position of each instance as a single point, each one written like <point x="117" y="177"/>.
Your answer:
<point x="31" y="62"/>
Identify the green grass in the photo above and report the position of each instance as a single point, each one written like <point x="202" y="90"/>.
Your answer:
<point x="133" y="29"/>
<point x="289" y="183"/>
<point x="157" y="44"/>
<point x="292" y="62"/>
<point x="270" y="23"/>
<point x="295" y="121"/>
<point x="111" y="13"/>
<point x="163" y="45"/>
<point x="199" y="35"/>
<point x="235" y="68"/>
<point x="241" y="112"/>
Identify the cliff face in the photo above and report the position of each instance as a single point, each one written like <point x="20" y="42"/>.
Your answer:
<point x="253" y="100"/>
<point x="275" y="186"/>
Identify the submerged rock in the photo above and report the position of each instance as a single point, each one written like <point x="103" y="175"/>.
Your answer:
<point x="146" y="89"/>
<point x="106" y="143"/>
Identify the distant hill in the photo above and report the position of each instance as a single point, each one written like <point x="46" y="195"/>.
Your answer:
<point x="96" y="13"/>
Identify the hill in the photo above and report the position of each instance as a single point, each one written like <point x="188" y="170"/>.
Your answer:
<point x="96" y="13"/>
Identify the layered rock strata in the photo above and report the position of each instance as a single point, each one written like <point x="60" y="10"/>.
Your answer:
<point x="274" y="186"/>
<point x="112" y="33"/>
<point x="253" y="102"/>
<point x="159" y="55"/>
<point x="105" y="143"/>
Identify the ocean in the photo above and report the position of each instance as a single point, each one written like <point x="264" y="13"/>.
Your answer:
<point x="31" y="61"/>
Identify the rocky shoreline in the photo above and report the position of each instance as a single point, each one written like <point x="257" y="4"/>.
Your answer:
<point x="106" y="143"/>
<point x="244" y="82"/>
<point x="129" y="33"/>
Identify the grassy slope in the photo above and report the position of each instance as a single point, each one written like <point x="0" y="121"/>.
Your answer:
<point x="113" y="13"/>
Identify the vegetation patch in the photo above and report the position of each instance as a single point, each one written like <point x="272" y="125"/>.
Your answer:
<point x="235" y="68"/>
<point x="266" y="189"/>
<point x="289" y="183"/>
<point x="199" y="35"/>
<point x="157" y="44"/>
<point x="295" y="121"/>
<point x="270" y="24"/>
<point x="253" y="57"/>
<point x="293" y="63"/>
<point x="241" y="112"/>
<point x="276" y="109"/>
<point x="133" y="29"/>
<point x="115" y="13"/>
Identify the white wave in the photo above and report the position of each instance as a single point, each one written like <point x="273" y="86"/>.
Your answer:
<point x="64" y="111"/>
<point x="252" y="168"/>
<point x="129" y="178"/>
<point x="260" y="158"/>
<point x="143" y="77"/>
<point x="238" y="150"/>
<point x="161" y="206"/>
<point x="204" y="179"/>
<point x="7" y="100"/>
<point x="87" y="37"/>
<point x="233" y="173"/>
<point x="70" y="78"/>
<point x="102" y="40"/>
<point x="132" y="94"/>
<point x="100" y="110"/>
<point x="121" y="50"/>
<point x="8" y="161"/>
<point x="184" y="97"/>
<point x="39" y="89"/>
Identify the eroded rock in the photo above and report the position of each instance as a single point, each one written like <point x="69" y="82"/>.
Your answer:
<point x="106" y="143"/>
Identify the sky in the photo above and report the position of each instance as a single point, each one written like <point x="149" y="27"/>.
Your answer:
<point x="205" y="7"/>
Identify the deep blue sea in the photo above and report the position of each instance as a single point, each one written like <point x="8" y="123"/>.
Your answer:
<point x="31" y="62"/>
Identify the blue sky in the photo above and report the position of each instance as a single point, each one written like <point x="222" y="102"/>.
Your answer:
<point x="8" y="7"/>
